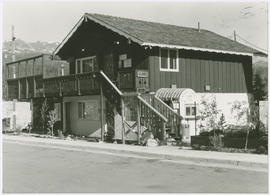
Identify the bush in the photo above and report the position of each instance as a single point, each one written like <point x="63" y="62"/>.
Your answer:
<point x="261" y="150"/>
<point x="216" y="141"/>
<point x="211" y="133"/>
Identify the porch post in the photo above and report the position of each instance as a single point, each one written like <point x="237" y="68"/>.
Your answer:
<point x="102" y="112"/>
<point x="19" y="89"/>
<point x="14" y="114"/>
<point x="32" y="113"/>
<point x="123" y="119"/>
<point x="139" y="120"/>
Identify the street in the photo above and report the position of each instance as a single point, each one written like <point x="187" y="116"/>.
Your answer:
<point x="32" y="169"/>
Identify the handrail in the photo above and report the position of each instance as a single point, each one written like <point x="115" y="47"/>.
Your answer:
<point x="153" y="109"/>
<point x="168" y="107"/>
<point x="111" y="83"/>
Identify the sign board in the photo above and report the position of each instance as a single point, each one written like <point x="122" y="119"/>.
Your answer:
<point x="123" y="57"/>
<point x="142" y="73"/>
<point x="127" y="63"/>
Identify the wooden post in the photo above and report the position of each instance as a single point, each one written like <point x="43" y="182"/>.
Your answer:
<point x="35" y="86"/>
<point x="32" y="113"/>
<point x="79" y="86"/>
<point x="43" y="86"/>
<point x="123" y="119"/>
<point x="139" y="120"/>
<point x="27" y="88"/>
<point x="14" y="114"/>
<point x="163" y="133"/>
<point x="102" y="112"/>
<point x="60" y="88"/>
<point x="19" y="89"/>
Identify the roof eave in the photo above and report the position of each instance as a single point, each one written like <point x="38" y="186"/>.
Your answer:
<point x="195" y="48"/>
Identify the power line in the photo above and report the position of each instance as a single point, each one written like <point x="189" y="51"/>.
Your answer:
<point x="248" y="42"/>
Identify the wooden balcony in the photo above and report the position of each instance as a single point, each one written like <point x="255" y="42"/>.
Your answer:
<point x="72" y="85"/>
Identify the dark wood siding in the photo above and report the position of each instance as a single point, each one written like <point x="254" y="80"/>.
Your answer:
<point x="223" y="72"/>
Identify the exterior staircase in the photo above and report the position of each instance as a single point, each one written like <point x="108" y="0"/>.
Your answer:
<point x="140" y="112"/>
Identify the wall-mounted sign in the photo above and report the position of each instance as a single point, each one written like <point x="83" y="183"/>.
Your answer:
<point x="127" y="63"/>
<point x="123" y="57"/>
<point x="142" y="73"/>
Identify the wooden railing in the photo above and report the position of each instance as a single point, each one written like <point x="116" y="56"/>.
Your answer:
<point x="76" y="84"/>
<point x="174" y="119"/>
<point x="152" y="119"/>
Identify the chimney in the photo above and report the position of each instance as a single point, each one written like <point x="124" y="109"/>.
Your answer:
<point x="234" y="36"/>
<point x="199" y="28"/>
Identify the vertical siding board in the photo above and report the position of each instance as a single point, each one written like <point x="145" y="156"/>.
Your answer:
<point x="224" y="77"/>
<point x="204" y="64"/>
<point x="192" y="74"/>
<point x="198" y="75"/>
<point x="151" y="73"/>
<point x="216" y="76"/>
<point x="157" y="73"/>
<point x="207" y="76"/>
<point x="228" y="76"/>
<point x="220" y="77"/>
<point x="183" y="73"/>
<point x="178" y="75"/>
<point x="211" y="73"/>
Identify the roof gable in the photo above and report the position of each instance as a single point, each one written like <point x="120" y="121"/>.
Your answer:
<point x="166" y="35"/>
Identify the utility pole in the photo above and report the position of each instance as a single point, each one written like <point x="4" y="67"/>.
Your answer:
<point x="234" y="36"/>
<point x="14" y="69"/>
<point x="13" y="38"/>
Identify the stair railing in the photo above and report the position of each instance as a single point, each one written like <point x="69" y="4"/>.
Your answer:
<point x="174" y="119"/>
<point x="152" y="119"/>
<point x="111" y="83"/>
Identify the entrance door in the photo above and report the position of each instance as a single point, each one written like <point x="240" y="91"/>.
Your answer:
<point x="108" y="67"/>
<point x="68" y="117"/>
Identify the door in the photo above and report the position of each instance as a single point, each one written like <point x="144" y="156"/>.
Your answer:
<point x="108" y="67"/>
<point x="68" y="117"/>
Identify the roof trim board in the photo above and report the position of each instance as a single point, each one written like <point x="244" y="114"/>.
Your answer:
<point x="195" y="48"/>
<point x="69" y="35"/>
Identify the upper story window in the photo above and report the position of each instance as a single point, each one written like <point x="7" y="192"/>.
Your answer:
<point x="169" y="60"/>
<point x="88" y="64"/>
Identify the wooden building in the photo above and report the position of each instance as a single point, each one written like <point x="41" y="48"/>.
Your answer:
<point x="117" y="65"/>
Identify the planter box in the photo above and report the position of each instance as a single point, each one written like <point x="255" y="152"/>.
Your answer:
<point x="229" y="142"/>
<point x="200" y="140"/>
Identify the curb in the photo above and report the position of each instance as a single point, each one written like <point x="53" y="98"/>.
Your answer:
<point x="91" y="147"/>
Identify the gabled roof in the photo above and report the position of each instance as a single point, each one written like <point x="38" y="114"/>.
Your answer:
<point x="165" y="35"/>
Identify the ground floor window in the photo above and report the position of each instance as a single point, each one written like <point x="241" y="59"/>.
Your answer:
<point x="190" y="111"/>
<point x="57" y="109"/>
<point x="89" y="110"/>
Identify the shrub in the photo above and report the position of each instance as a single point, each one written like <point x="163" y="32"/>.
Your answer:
<point x="216" y="141"/>
<point x="261" y="150"/>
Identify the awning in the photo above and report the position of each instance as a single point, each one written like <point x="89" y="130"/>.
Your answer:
<point x="170" y="93"/>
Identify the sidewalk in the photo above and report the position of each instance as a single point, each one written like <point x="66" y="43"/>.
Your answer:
<point x="172" y="153"/>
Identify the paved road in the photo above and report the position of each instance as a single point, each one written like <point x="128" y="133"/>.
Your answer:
<point x="28" y="169"/>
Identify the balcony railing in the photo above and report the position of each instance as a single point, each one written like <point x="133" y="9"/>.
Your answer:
<point x="70" y="85"/>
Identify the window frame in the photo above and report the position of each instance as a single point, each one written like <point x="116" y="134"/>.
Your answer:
<point x="168" y="69"/>
<point x="81" y="63"/>
<point x="190" y="106"/>
<point x="83" y="116"/>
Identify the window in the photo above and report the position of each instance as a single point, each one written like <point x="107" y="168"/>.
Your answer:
<point x="169" y="60"/>
<point x="57" y="108"/>
<point x="190" y="111"/>
<point x="89" y="110"/>
<point x="81" y="110"/>
<point x="88" y="64"/>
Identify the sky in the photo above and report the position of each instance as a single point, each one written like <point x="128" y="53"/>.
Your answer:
<point x="51" y="21"/>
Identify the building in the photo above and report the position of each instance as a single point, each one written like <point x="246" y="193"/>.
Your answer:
<point x="125" y="76"/>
